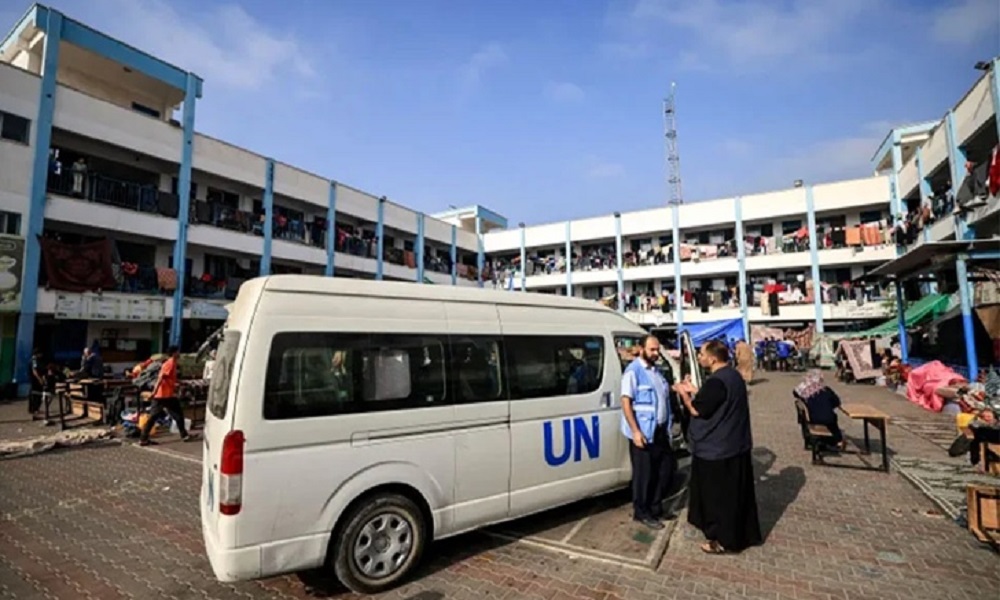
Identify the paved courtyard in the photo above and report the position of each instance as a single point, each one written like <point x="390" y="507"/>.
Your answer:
<point x="120" y="521"/>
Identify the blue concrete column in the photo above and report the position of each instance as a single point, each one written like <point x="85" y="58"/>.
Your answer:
<point x="454" y="255"/>
<point x="995" y="91"/>
<point x="897" y="163"/>
<point x="480" y="255"/>
<point x="24" y="346"/>
<point x="183" y="206"/>
<point x="956" y="163"/>
<point x="524" y="259"/>
<point x="924" y="186"/>
<point x="268" y="206"/>
<point x="618" y="262"/>
<point x="569" y="259"/>
<point x="965" y="299"/>
<point x="420" y="247"/>
<point x="380" y="240"/>
<point x="741" y="256"/>
<point x="956" y="153"/>
<point x="904" y="346"/>
<point x="814" y="258"/>
<point x="331" y="230"/>
<point x="678" y="296"/>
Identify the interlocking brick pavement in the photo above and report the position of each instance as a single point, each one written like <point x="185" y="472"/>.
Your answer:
<point x="122" y="522"/>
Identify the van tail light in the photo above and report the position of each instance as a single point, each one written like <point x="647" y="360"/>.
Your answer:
<point x="231" y="474"/>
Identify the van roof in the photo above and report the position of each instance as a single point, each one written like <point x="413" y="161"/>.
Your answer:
<point x="318" y="284"/>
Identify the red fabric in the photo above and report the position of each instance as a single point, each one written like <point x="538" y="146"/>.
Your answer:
<point x="994" y="172"/>
<point x="923" y="382"/>
<point x="78" y="267"/>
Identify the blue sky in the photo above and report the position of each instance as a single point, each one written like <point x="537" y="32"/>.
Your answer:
<point x="544" y="111"/>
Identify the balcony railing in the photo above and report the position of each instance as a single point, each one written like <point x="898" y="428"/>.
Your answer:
<point x="119" y="193"/>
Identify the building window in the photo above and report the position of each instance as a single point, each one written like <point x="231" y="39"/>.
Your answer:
<point x="145" y="110"/>
<point x="14" y="128"/>
<point x="767" y="230"/>
<point x="790" y="227"/>
<point x="223" y="198"/>
<point x="10" y="223"/>
<point x="175" y="183"/>
<point x="871" y="216"/>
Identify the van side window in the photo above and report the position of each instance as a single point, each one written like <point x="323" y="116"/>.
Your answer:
<point x="628" y="347"/>
<point x="322" y="374"/>
<point x="542" y="366"/>
<point x="475" y="369"/>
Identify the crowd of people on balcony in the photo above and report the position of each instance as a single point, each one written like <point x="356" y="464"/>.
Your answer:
<point x="981" y="181"/>
<point x="769" y="295"/>
<point x="878" y="233"/>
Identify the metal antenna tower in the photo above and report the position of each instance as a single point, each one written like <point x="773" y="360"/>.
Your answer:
<point x="673" y="158"/>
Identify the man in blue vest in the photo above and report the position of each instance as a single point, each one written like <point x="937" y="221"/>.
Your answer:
<point x="646" y="422"/>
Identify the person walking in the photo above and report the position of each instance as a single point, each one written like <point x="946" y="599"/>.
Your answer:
<point x="646" y="422"/>
<point x="722" y="499"/>
<point x="165" y="399"/>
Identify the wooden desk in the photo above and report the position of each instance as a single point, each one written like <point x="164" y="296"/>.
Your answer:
<point x="878" y="419"/>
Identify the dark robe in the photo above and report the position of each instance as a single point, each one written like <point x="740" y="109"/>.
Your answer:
<point x="723" y="501"/>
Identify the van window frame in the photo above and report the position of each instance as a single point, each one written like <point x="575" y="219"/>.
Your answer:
<point x="222" y="374"/>
<point x="503" y="387"/>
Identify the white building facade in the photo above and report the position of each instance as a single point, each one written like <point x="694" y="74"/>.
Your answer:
<point x="121" y="224"/>
<point x="128" y="227"/>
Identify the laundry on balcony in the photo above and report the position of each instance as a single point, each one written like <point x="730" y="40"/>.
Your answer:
<point x="166" y="278"/>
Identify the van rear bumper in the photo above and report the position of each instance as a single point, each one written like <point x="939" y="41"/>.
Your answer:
<point x="239" y="564"/>
<point x="265" y="560"/>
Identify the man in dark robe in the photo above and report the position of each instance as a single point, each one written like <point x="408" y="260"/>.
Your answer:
<point x="723" y="501"/>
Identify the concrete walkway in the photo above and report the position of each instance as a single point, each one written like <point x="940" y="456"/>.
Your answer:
<point x="122" y="522"/>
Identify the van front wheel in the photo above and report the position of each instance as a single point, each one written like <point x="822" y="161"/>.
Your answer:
<point x="380" y="543"/>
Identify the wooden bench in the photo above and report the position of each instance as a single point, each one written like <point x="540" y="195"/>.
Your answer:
<point x="983" y="503"/>
<point x="812" y="434"/>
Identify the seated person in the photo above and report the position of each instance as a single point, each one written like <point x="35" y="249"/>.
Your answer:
<point x="822" y="403"/>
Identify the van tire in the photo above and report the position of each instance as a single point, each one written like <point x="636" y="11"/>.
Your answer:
<point x="405" y="523"/>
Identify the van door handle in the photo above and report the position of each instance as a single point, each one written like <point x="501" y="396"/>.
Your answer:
<point x="606" y="400"/>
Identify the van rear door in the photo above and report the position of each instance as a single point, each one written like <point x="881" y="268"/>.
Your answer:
<point x="220" y="491"/>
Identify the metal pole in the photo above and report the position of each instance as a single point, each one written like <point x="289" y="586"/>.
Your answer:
<point x="569" y="260"/>
<point x="678" y="296"/>
<point x="741" y="255"/>
<point x="814" y="258"/>
<point x="618" y="259"/>
<point x="524" y="258"/>
<point x="961" y="270"/>
<point x="904" y="346"/>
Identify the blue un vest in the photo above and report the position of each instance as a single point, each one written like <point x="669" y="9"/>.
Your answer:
<point x="645" y="402"/>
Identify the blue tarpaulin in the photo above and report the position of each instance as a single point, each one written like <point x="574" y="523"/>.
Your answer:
<point x="727" y="330"/>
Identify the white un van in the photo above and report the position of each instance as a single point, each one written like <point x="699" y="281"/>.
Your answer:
<point x="351" y="422"/>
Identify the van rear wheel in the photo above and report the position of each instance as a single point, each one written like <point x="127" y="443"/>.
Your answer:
<point x="380" y="544"/>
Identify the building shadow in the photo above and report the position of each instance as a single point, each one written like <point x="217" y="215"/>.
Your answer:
<point x="775" y="491"/>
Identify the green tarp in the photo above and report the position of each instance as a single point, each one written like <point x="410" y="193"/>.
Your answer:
<point x="928" y="306"/>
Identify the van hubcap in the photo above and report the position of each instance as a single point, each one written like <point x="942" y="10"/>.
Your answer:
<point x="383" y="545"/>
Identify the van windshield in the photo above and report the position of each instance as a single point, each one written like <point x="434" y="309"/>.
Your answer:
<point x="628" y="350"/>
<point x="222" y="374"/>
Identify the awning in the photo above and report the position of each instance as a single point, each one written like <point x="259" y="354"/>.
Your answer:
<point x="930" y="306"/>
<point x="931" y="255"/>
